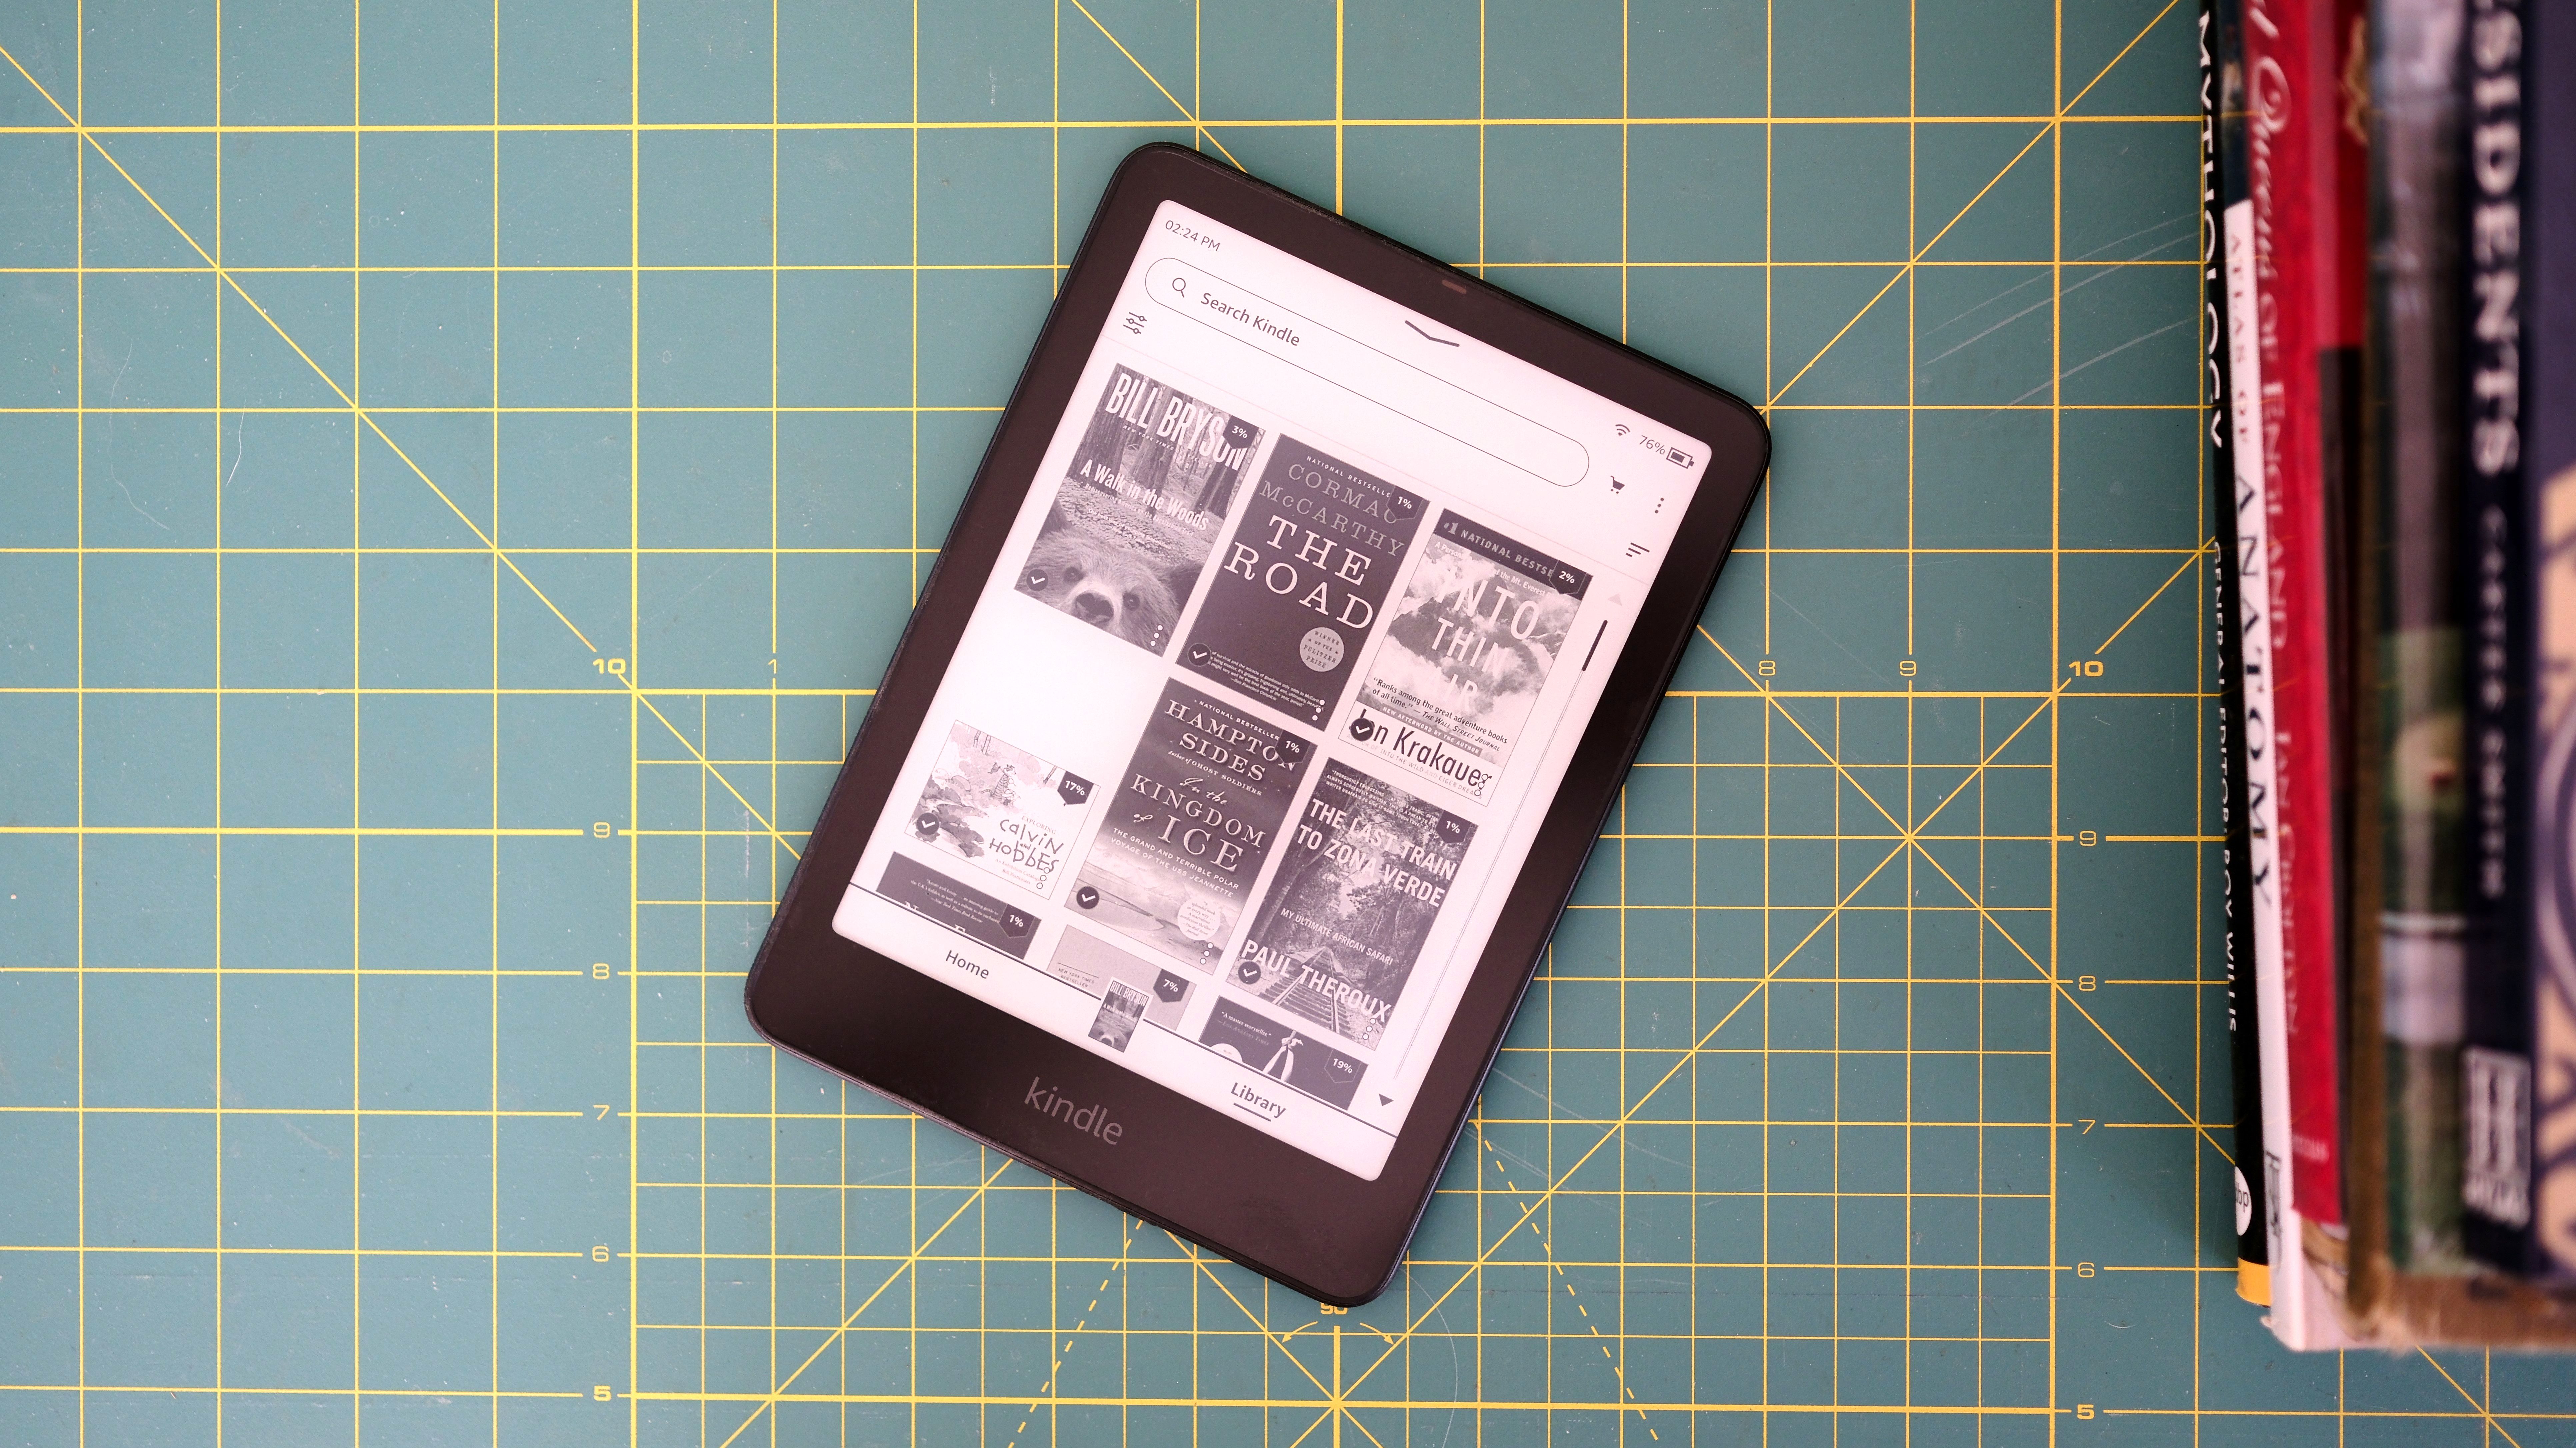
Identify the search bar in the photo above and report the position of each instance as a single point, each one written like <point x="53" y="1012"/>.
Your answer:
<point x="1369" y="374"/>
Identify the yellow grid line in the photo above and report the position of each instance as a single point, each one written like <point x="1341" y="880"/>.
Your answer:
<point x="1909" y="841"/>
<point x="367" y="418"/>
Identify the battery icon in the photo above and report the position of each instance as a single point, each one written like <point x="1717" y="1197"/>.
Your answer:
<point x="1678" y="458"/>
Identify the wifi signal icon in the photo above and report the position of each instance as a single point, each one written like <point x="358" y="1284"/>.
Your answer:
<point x="1621" y="428"/>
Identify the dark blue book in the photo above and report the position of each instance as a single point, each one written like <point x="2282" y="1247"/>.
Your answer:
<point x="2515" y="1073"/>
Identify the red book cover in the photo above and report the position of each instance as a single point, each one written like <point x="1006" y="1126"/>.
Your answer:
<point x="2306" y="61"/>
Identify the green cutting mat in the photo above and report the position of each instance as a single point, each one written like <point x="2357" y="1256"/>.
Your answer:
<point x="463" y="467"/>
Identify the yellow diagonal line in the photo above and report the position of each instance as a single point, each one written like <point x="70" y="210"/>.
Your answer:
<point x="910" y="1261"/>
<point x="703" y="762"/>
<point x="1191" y="1251"/>
<point x="1908" y="839"/>
<point x="489" y="546"/>
<point x="1341" y="1410"/>
<point x="1335" y="1410"/>
<point x="2196" y="555"/>
<point x="1321" y="1419"/>
<point x="1991" y="756"/>
<point x="1549" y="1252"/>
<point x="327" y="380"/>
<point x="1046" y="1388"/>
<point x="2069" y="108"/>
<point x="2059" y="986"/>
<point x="1913" y="833"/>
<point x="1822" y="752"/>
<point x="1912" y="838"/>
<point x="2481" y="1409"/>
<point x="1769" y="974"/>
<point x="1906" y="833"/>
<point x="1906" y="268"/>
<point x="1979" y="906"/>
<point x="1185" y="111"/>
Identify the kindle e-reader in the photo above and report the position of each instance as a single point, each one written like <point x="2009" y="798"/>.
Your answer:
<point x="1275" y="679"/>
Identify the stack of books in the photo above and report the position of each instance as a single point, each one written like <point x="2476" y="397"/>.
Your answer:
<point x="2389" y="264"/>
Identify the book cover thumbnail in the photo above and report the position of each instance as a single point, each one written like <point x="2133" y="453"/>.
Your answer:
<point x="1357" y="889"/>
<point x="1122" y="1008"/>
<point x="957" y="905"/>
<point x="1301" y="581"/>
<point x="1481" y="622"/>
<point x="1139" y="511"/>
<point x="992" y="802"/>
<point x="1189" y="825"/>
<point x="1281" y="1053"/>
<point x="1093" y="966"/>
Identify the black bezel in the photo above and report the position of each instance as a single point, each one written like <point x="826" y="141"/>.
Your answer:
<point x="1179" y="1164"/>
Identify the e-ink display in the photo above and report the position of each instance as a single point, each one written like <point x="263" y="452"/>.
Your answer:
<point x="1249" y="733"/>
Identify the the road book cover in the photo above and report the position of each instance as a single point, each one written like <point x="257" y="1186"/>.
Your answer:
<point x="1189" y="825"/>
<point x="1358" y="886"/>
<point x="1482" y="621"/>
<point x="1139" y="511"/>
<point x="1301" y="581"/>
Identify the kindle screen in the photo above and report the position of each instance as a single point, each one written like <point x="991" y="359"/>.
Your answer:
<point x="1285" y="655"/>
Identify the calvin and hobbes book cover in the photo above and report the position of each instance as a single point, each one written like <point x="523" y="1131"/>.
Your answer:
<point x="1366" y="874"/>
<point x="1139" y="511"/>
<point x="1301" y="581"/>
<point x="1482" y="621"/>
<point x="1189" y="826"/>
<point x="990" y="801"/>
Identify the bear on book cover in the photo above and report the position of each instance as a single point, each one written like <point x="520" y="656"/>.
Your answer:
<point x="1139" y="511"/>
<point x="1339" y="933"/>
<point x="1302" y="581"/>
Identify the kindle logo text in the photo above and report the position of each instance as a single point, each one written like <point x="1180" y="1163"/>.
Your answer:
<point x="1048" y="1101"/>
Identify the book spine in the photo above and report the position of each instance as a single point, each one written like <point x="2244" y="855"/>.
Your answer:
<point x="2549" y="462"/>
<point x="2221" y="122"/>
<point x="2305" y="339"/>
<point x="2262" y="778"/>
<point x="2411" y="483"/>
<point x="2497" y="1081"/>
<point x="2302" y="1316"/>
